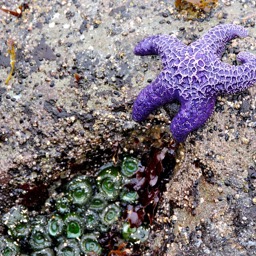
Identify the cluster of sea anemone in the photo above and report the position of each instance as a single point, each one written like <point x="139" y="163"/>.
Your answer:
<point x="87" y="208"/>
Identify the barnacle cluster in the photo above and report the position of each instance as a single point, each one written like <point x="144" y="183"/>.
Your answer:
<point x="88" y="208"/>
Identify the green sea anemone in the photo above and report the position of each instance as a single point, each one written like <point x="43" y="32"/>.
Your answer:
<point x="55" y="225"/>
<point x="39" y="238"/>
<point x="80" y="190"/>
<point x="129" y="166"/>
<point x="63" y="205"/>
<point x="91" y="220"/>
<point x="90" y="245"/>
<point x="109" y="182"/>
<point x="128" y="196"/>
<point x="8" y="247"/>
<point x="44" y="252"/>
<point x="17" y="221"/>
<point x="110" y="214"/>
<point x="74" y="225"/>
<point x="139" y="234"/>
<point x="98" y="203"/>
<point x="68" y="247"/>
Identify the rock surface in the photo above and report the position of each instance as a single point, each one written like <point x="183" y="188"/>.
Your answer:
<point x="69" y="102"/>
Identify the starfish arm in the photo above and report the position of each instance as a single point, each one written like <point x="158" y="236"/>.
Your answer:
<point x="164" y="45"/>
<point x="215" y="39"/>
<point x="191" y="116"/>
<point x="153" y="96"/>
<point x="233" y="79"/>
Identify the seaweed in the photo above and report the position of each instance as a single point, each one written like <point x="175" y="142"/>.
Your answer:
<point x="195" y="8"/>
<point x="35" y="196"/>
<point x="18" y="12"/>
<point x="120" y="251"/>
<point x="11" y="51"/>
<point x="149" y="183"/>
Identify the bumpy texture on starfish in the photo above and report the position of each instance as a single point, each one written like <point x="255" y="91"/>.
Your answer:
<point x="194" y="75"/>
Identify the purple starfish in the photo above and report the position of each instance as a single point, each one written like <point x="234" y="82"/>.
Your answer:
<point x="194" y="75"/>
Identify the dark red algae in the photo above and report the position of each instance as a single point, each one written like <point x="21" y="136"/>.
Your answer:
<point x="151" y="178"/>
<point x="35" y="196"/>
